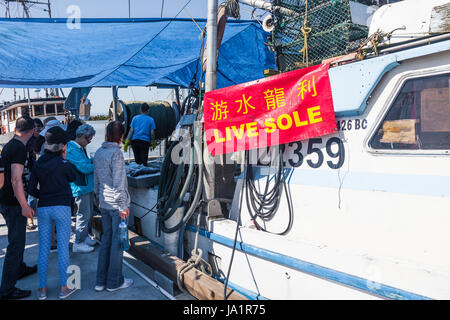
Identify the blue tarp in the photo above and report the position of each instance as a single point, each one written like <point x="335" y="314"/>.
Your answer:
<point x="45" y="53"/>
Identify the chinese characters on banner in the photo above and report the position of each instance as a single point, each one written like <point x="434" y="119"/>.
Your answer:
<point x="288" y="107"/>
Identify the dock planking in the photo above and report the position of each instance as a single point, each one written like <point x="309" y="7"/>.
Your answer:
<point x="196" y="282"/>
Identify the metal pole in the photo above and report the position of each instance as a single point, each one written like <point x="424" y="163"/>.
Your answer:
<point x="265" y="5"/>
<point x="29" y="103"/>
<point x="209" y="174"/>
<point x="7" y="13"/>
<point x="49" y="9"/>
<point x="211" y="47"/>
<point x="115" y="98"/>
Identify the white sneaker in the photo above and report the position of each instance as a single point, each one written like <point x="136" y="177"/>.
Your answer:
<point x="126" y="283"/>
<point x="99" y="288"/>
<point x="82" y="247"/>
<point x="89" y="241"/>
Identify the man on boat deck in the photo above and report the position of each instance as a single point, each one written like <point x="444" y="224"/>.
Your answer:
<point x="142" y="132"/>
<point x="15" y="209"/>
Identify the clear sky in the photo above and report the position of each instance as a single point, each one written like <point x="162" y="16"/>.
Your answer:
<point x="101" y="97"/>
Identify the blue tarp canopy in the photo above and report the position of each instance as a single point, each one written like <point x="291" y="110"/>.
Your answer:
<point x="46" y="53"/>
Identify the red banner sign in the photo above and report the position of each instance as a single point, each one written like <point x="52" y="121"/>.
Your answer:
<point x="288" y="107"/>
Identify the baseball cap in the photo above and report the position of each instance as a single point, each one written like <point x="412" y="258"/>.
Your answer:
<point x="51" y="124"/>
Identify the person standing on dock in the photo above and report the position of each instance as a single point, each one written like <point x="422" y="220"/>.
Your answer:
<point x="33" y="153"/>
<point x="72" y="128"/>
<point x="111" y="188"/>
<point x="50" y="183"/>
<point x="82" y="187"/>
<point x="85" y="108"/>
<point x="141" y="134"/>
<point x="15" y="209"/>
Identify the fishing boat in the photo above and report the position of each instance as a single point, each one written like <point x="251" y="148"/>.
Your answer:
<point x="358" y="213"/>
<point x="363" y="211"/>
<point x="36" y="108"/>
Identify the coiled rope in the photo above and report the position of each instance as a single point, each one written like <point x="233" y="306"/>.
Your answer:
<point x="233" y="9"/>
<point x="194" y="261"/>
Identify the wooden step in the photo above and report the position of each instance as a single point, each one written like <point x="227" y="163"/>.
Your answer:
<point x="198" y="284"/>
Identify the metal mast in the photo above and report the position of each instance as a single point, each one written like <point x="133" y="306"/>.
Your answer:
<point x="26" y="6"/>
<point x="209" y="177"/>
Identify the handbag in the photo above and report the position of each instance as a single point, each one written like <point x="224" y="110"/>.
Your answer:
<point x="80" y="178"/>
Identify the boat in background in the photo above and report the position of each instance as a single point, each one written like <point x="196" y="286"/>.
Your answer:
<point x="36" y="108"/>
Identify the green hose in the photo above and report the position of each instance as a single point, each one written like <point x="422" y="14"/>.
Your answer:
<point x="193" y="206"/>
<point x="180" y="198"/>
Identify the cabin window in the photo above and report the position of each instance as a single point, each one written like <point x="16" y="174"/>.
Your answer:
<point x="419" y="117"/>
<point x="60" y="108"/>
<point x="38" y="110"/>
<point x="25" y="111"/>
<point x="13" y="114"/>
<point x="49" y="109"/>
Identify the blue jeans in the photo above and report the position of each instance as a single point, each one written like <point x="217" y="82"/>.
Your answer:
<point x="109" y="267"/>
<point x="61" y="216"/>
<point x="13" y="265"/>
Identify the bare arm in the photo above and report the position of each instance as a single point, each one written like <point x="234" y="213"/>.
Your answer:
<point x="17" y="185"/>
<point x="130" y="133"/>
<point x="152" y="133"/>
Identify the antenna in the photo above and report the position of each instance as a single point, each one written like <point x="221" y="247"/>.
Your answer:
<point x="26" y="6"/>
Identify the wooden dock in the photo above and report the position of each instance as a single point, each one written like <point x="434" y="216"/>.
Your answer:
<point x="198" y="284"/>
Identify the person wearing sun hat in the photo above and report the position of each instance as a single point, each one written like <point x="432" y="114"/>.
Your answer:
<point x="50" y="183"/>
<point x="49" y="122"/>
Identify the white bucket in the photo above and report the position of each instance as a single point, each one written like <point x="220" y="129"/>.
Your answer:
<point x="171" y="239"/>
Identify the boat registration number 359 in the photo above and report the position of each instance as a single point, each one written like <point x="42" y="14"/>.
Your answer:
<point x="334" y="148"/>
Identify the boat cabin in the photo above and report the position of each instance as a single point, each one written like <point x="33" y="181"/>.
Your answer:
<point x="35" y="108"/>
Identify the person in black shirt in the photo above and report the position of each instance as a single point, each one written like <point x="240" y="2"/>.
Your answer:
<point x="36" y="141"/>
<point x="15" y="209"/>
<point x="33" y="149"/>
<point x="50" y="183"/>
<point x="2" y="173"/>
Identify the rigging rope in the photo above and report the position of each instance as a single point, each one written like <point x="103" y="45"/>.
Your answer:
<point x="181" y="4"/>
<point x="305" y="31"/>
<point x="233" y="9"/>
<point x="145" y="45"/>
<point x="238" y="222"/>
